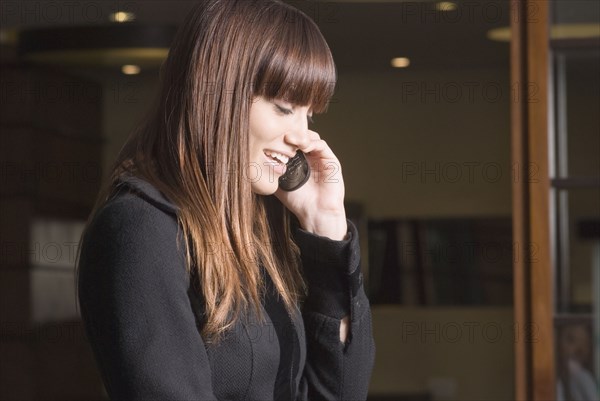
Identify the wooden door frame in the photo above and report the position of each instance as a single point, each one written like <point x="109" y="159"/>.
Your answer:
<point x="532" y="229"/>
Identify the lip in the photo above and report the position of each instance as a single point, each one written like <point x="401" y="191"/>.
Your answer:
<point x="278" y="168"/>
<point x="281" y="152"/>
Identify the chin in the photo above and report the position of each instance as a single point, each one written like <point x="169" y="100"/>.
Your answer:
<point x="264" y="188"/>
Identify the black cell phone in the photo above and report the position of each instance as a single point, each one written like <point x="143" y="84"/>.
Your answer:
<point x="296" y="174"/>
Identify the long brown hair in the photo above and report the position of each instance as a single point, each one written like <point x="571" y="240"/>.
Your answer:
<point x="194" y="145"/>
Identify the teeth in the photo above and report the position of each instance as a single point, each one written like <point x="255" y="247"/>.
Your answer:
<point x="281" y="158"/>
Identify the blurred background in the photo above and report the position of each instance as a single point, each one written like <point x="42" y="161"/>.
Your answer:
<point x="423" y="121"/>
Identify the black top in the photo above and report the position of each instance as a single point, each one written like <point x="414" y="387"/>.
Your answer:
<point x="143" y="316"/>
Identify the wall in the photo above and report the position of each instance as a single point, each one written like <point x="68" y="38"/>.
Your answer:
<point x="126" y="100"/>
<point x="50" y="134"/>
<point x="452" y="353"/>
<point x="423" y="144"/>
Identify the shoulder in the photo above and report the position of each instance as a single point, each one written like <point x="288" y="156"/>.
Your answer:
<point x="131" y="272"/>
<point x="128" y="215"/>
<point x="129" y="238"/>
<point x="137" y="207"/>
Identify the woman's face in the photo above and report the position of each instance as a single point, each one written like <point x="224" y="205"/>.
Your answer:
<point x="277" y="130"/>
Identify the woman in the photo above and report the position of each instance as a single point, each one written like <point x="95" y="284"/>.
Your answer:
<point x="200" y="279"/>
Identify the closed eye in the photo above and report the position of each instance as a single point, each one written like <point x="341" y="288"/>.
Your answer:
<point x="283" y="110"/>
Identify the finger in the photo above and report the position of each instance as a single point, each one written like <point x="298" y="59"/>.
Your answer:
<point x="319" y="148"/>
<point x="314" y="135"/>
<point x="311" y="136"/>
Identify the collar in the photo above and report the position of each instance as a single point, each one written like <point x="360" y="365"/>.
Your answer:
<point x="148" y="192"/>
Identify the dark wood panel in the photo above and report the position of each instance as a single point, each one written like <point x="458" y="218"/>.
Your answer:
<point x="520" y="199"/>
<point x="535" y="376"/>
<point x="542" y="300"/>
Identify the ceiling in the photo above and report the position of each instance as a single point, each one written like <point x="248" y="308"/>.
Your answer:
<point x="363" y="36"/>
<point x="366" y="36"/>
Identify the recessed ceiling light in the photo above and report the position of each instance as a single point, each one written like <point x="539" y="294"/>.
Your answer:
<point x="130" y="69"/>
<point x="400" y="62"/>
<point x="121" y="16"/>
<point x="445" y="6"/>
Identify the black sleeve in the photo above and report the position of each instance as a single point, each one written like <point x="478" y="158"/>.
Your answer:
<point x="335" y="370"/>
<point x="136" y="311"/>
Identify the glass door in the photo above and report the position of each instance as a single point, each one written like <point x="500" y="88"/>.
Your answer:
<point x="575" y="191"/>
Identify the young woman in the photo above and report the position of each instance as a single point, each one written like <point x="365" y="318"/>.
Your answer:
<point x="199" y="278"/>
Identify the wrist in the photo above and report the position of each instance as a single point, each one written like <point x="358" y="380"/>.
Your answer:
<point x="331" y="225"/>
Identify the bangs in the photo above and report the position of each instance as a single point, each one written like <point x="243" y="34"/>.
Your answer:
<point x="298" y="68"/>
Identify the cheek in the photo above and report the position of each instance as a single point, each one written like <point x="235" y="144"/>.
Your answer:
<point x="264" y="130"/>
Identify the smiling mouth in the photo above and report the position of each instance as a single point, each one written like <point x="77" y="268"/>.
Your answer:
<point x="277" y="157"/>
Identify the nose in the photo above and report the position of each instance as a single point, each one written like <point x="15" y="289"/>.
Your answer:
<point x="297" y="135"/>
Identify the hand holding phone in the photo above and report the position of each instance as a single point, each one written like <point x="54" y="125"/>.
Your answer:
<point x="297" y="173"/>
<point x="319" y="207"/>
